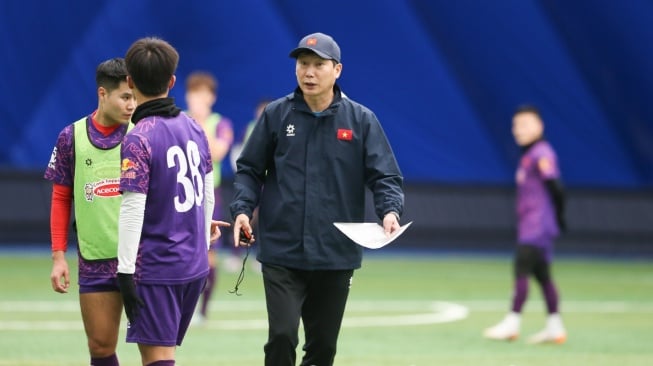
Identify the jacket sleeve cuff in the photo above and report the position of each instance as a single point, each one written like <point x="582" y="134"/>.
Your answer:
<point x="394" y="213"/>
<point x="239" y="212"/>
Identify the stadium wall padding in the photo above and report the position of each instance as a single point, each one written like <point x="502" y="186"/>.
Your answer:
<point x="454" y="218"/>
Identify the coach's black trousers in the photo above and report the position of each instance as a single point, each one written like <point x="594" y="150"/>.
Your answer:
<point x="318" y="298"/>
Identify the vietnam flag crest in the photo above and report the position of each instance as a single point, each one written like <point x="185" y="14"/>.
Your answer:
<point x="344" y="134"/>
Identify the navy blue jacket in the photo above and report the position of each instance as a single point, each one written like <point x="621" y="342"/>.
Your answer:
<point x="306" y="171"/>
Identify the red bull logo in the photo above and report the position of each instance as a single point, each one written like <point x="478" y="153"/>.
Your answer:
<point x="127" y="165"/>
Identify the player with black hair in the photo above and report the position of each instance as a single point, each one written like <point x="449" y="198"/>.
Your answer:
<point x="165" y="225"/>
<point x="540" y="212"/>
<point x="85" y="169"/>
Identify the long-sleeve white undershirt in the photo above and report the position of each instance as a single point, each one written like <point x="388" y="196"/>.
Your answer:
<point x="130" y="224"/>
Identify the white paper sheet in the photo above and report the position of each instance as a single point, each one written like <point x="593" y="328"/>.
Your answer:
<point x="369" y="234"/>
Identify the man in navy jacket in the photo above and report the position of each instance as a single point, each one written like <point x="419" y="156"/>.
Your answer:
<point x="306" y="164"/>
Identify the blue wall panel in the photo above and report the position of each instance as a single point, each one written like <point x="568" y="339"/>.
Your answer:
<point x="442" y="76"/>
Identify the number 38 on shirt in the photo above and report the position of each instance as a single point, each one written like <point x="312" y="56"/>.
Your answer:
<point x="189" y="176"/>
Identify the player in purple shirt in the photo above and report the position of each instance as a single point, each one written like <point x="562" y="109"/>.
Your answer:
<point x="540" y="212"/>
<point x="165" y="225"/>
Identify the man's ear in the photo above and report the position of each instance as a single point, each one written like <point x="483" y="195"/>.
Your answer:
<point x="130" y="82"/>
<point x="101" y="92"/>
<point x="172" y="82"/>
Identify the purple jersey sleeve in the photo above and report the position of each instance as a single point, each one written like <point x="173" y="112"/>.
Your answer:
<point x="547" y="162"/>
<point x="60" y="169"/>
<point x="134" y="164"/>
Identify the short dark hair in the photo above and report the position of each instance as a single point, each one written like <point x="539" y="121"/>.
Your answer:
<point x="151" y="62"/>
<point x="528" y="108"/>
<point x="110" y="73"/>
<point x="200" y="79"/>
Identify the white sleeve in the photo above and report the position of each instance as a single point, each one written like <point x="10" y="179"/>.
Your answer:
<point x="130" y="224"/>
<point x="209" y="205"/>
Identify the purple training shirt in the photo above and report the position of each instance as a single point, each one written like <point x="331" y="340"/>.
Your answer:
<point x="535" y="209"/>
<point x="167" y="158"/>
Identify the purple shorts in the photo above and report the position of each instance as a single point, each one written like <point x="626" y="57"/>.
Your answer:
<point x="97" y="276"/>
<point x="543" y="242"/>
<point x="168" y="310"/>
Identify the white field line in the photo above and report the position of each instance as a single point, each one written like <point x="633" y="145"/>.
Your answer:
<point x="419" y="314"/>
<point x="408" y="312"/>
<point x="568" y="306"/>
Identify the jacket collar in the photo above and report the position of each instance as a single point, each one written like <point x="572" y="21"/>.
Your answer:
<point x="300" y="103"/>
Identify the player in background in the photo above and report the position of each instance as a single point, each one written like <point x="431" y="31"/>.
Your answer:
<point x="540" y="211"/>
<point x="308" y="162"/>
<point x="165" y="225"/>
<point x="85" y="169"/>
<point x="201" y="96"/>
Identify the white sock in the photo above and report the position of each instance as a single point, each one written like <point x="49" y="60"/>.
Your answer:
<point x="554" y="324"/>
<point x="513" y="319"/>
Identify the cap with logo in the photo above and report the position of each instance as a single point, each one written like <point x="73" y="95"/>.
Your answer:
<point x="320" y="43"/>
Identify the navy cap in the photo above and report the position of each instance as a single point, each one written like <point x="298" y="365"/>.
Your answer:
<point x="320" y="43"/>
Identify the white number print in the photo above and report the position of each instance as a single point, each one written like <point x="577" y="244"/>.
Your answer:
<point x="193" y="185"/>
